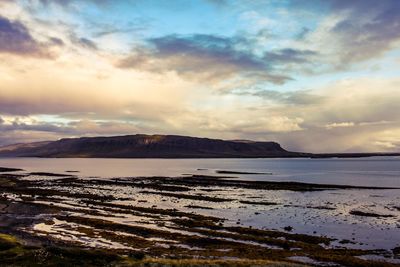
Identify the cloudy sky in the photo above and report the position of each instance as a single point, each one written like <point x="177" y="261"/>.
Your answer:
<point x="315" y="75"/>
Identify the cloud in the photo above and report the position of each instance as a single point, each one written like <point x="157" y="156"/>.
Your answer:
<point x="369" y="29"/>
<point x="303" y="33"/>
<point x="15" y="38"/>
<point x="45" y="127"/>
<point x="350" y="115"/>
<point x="266" y="81"/>
<point x="386" y="144"/>
<point x="22" y="132"/>
<point x="26" y="129"/>
<point x="299" y="97"/>
<point x="56" y="41"/>
<point x="24" y="125"/>
<point x="289" y="55"/>
<point x="74" y="88"/>
<point x="357" y="100"/>
<point x="352" y="31"/>
<point x="367" y="138"/>
<point x="86" y="43"/>
<point x="239" y="125"/>
<point x="67" y="3"/>
<point x="208" y="58"/>
<point x="339" y="124"/>
<point x="133" y="27"/>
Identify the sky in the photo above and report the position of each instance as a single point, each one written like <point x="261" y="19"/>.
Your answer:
<point x="313" y="75"/>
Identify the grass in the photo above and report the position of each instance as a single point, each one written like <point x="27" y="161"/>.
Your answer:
<point x="13" y="253"/>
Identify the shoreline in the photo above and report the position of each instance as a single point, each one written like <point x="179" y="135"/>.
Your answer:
<point x="175" y="218"/>
<point x="299" y="155"/>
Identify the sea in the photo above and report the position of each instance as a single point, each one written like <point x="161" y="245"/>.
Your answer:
<point x="371" y="171"/>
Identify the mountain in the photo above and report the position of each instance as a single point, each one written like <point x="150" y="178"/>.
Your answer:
<point x="148" y="146"/>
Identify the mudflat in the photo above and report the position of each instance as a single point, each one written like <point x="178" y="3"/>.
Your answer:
<point x="195" y="220"/>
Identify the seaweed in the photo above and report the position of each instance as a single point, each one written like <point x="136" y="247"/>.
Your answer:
<point x="4" y="169"/>
<point x="193" y="197"/>
<point x="242" y="172"/>
<point x="263" y="203"/>
<point x="369" y="214"/>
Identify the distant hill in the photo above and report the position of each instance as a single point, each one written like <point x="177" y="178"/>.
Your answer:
<point x="148" y="146"/>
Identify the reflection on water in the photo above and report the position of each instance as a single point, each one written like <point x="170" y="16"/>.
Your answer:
<point x="194" y="213"/>
<point x="378" y="171"/>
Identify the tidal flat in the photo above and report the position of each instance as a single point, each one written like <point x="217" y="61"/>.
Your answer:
<point x="193" y="220"/>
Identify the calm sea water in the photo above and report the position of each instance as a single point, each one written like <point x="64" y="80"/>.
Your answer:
<point x="376" y="171"/>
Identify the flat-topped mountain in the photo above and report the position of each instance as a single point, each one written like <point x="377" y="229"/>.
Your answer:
<point x="148" y="146"/>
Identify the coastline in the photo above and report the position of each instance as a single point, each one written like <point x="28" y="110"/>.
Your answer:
<point x="171" y="218"/>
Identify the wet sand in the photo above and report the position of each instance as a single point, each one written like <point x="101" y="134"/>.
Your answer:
<point x="224" y="220"/>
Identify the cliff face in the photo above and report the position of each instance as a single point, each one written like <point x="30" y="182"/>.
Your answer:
<point x="148" y="146"/>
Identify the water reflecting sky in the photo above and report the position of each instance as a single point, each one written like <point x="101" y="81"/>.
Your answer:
<point x="379" y="171"/>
